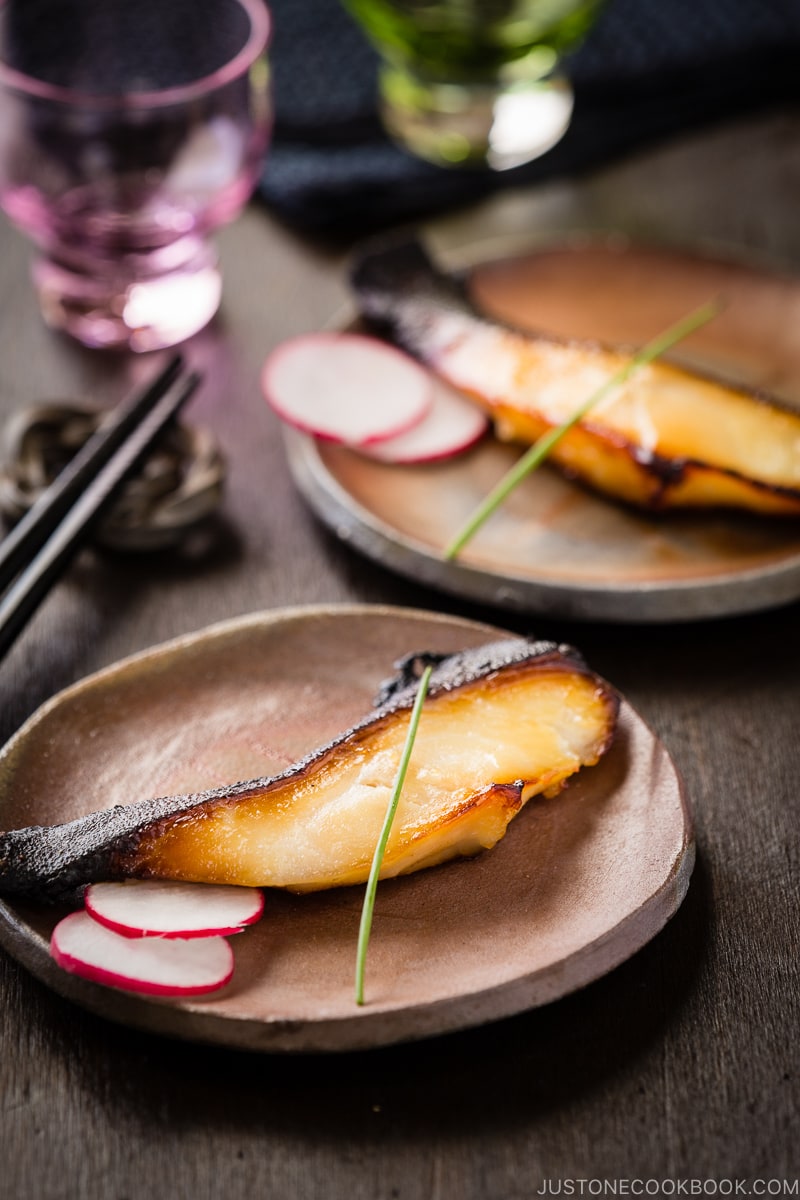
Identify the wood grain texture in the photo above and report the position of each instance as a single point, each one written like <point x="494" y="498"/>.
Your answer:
<point x="684" y="1061"/>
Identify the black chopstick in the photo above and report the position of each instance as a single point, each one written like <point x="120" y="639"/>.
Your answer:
<point x="34" y="528"/>
<point x="24" y="596"/>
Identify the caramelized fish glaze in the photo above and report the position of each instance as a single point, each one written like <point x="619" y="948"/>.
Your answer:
<point x="502" y="723"/>
<point x="667" y="438"/>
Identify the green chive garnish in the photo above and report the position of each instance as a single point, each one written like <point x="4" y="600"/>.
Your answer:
<point x="538" y="452"/>
<point x="380" y="849"/>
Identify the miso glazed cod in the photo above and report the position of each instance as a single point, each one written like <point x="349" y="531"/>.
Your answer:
<point x="500" y="724"/>
<point x="667" y="438"/>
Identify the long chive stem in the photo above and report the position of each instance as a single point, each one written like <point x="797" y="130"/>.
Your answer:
<point x="540" y="449"/>
<point x="380" y="849"/>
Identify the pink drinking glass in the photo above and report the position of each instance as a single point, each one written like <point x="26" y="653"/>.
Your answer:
<point x="129" y="131"/>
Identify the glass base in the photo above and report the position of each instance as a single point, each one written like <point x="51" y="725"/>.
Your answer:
<point x="148" y="312"/>
<point x="474" y="125"/>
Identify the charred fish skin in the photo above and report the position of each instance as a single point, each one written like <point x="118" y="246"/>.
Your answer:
<point x="467" y="666"/>
<point x="53" y="864"/>
<point x="404" y="296"/>
<point x="669" y="438"/>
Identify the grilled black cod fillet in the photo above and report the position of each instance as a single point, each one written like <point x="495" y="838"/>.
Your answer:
<point x="668" y="438"/>
<point x="501" y="723"/>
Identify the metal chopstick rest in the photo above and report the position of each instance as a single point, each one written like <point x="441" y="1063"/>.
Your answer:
<point x="77" y="512"/>
<point x="32" y="530"/>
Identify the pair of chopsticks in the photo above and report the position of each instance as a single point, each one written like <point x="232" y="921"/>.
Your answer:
<point x="42" y="543"/>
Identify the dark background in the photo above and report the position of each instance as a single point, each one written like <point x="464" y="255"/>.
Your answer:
<point x="648" y="70"/>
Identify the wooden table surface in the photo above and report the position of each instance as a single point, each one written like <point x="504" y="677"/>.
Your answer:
<point x="680" y="1065"/>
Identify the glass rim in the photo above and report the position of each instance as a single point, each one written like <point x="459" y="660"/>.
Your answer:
<point x="257" y="41"/>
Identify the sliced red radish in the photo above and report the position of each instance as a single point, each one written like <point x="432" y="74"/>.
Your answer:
<point x="160" y="908"/>
<point x="155" y="966"/>
<point x="452" y="426"/>
<point x="346" y="387"/>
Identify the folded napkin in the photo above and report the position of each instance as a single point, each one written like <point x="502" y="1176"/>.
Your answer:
<point x="648" y="70"/>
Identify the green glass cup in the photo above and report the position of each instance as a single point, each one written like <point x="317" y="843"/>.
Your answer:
<point x="475" y="82"/>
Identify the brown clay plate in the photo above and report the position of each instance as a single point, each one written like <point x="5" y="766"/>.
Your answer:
<point x="578" y="884"/>
<point x="554" y="548"/>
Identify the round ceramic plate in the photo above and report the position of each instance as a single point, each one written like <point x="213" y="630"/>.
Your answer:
<point x="578" y="884"/>
<point x="554" y="548"/>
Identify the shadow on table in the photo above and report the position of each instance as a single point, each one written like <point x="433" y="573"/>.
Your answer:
<point x="498" y="1076"/>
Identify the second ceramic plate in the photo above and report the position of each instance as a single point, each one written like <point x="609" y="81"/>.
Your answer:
<point x="554" y="548"/>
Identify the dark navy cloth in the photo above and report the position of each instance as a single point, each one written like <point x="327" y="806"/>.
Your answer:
<point x="650" y="69"/>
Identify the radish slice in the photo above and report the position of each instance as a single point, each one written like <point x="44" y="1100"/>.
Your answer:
<point x="155" y="966"/>
<point x="452" y="425"/>
<point x="158" y="908"/>
<point x="346" y="387"/>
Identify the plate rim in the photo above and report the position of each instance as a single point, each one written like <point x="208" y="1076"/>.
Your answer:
<point x="724" y="595"/>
